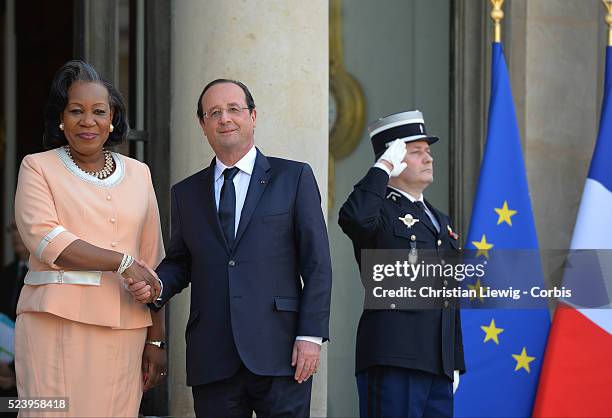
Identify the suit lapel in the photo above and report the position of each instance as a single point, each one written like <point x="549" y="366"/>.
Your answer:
<point x="209" y="204"/>
<point x="258" y="183"/>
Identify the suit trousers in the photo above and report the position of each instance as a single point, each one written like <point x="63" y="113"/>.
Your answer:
<point x="394" y="392"/>
<point x="245" y="392"/>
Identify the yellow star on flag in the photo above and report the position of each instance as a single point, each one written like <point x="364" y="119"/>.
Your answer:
<point x="477" y="286"/>
<point x="483" y="246"/>
<point x="505" y="214"/>
<point x="523" y="360"/>
<point x="492" y="332"/>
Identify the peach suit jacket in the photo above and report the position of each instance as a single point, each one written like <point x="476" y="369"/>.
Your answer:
<point x="55" y="204"/>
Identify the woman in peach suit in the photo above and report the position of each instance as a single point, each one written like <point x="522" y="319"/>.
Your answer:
<point x="86" y="213"/>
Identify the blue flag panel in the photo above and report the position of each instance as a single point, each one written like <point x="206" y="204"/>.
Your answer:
<point x="503" y="347"/>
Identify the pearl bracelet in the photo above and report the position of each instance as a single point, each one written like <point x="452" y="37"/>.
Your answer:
<point x="126" y="263"/>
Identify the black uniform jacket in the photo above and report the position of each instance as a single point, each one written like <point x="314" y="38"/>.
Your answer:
<point x="428" y="340"/>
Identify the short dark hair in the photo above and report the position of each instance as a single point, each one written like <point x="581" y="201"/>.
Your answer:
<point x="71" y="72"/>
<point x="247" y="94"/>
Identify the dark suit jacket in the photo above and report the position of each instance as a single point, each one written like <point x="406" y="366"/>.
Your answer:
<point x="247" y="302"/>
<point x="428" y="340"/>
<point x="11" y="282"/>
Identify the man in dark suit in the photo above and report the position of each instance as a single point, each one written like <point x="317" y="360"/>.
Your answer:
<point x="406" y="360"/>
<point x="11" y="282"/>
<point x="244" y="231"/>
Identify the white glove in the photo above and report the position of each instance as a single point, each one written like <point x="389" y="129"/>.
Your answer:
<point x="455" y="381"/>
<point x="395" y="155"/>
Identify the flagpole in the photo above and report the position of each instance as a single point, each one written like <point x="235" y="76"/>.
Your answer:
<point x="608" y="5"/>
<point x="497" y="14"/>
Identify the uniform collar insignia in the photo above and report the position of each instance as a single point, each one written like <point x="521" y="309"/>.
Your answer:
<point x="394" y="196"/>
<point x="408" y="220"/>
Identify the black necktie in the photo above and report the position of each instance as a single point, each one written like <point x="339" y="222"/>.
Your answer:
<point x="421" y="206"/>
<point x="423" y="209"/>
<point x="227" y="205"/>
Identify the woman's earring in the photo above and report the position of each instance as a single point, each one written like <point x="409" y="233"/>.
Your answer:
<point x="112" y="128"/>
<point x="61" y="126"/>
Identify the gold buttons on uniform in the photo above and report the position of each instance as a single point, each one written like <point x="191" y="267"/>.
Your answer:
<point x="393" y="306"/>
<point x="445" y="282"/>
<point x="413" y="238"/>
<point x="439" y="242"/>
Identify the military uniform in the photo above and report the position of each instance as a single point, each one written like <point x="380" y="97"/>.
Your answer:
<point x="405" y="358"/>
<point x="426" y="340"/>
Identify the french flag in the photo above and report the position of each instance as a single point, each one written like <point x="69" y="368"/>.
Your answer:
<point x="576" y="378"/>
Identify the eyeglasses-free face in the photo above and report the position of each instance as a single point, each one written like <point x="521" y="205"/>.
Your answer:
<point x="87" y="118"/>
<point x="419" y="165"/>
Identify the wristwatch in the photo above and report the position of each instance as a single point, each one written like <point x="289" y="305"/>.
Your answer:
<point x="158" y="344"/>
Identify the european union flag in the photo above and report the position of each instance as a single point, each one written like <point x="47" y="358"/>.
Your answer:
<point x="503" y="347"/>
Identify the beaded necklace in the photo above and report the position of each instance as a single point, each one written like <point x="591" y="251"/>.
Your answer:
<point x="106" y="171"/>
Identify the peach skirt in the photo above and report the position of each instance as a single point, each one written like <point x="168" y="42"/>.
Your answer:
<point x="97" y="368"/>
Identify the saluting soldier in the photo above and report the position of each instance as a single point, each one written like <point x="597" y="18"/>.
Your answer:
<point x="407" y="361"/>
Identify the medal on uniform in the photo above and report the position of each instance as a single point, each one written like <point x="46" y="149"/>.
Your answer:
<point x="413" y="256"/>
<point x="408" y="220"/>
<point x="451" y="233"/>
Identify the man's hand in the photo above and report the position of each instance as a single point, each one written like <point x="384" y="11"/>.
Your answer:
<point x="305" y="358"/>
<point x="142" y="282"/>
<point x="394" y="156"/>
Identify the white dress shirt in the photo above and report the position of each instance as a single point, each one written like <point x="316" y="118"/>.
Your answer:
<point x="241" y="181"/>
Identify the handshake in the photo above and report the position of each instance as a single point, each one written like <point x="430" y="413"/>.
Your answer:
<point x="142" y="282"/>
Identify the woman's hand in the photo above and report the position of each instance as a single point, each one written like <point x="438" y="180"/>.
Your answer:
<point x="154" y="366"/>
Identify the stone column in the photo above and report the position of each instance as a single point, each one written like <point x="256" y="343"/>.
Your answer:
<point x="556" y="63"/>
<point x="279" y="49"/>
<point x="555" y="52"/>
